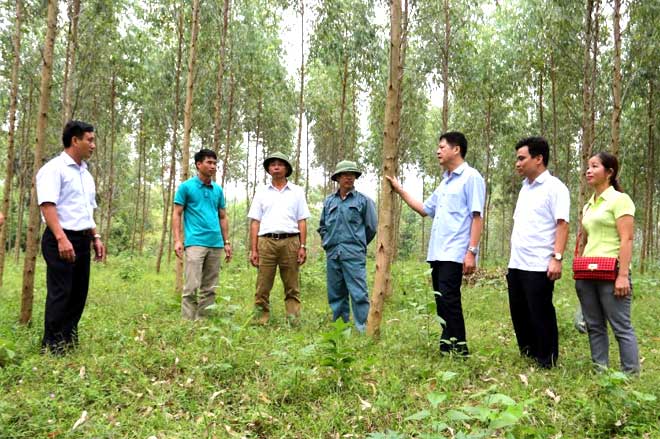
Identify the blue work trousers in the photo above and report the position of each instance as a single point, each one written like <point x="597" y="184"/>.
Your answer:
<point x="348" y="277"/>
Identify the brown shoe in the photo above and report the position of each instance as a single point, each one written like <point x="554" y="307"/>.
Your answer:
<point x="292" y="311"/>
<point x="261" y="317"/>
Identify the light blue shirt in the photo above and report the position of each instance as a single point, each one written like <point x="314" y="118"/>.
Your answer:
<point x="70" y="187"/>
<point x="201" y="212"/>
<point x="460" y="194"/>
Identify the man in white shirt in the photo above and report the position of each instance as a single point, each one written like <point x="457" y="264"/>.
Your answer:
<point x="538" y="240"/>
<point x="278" y="233"/>
<point x="67" y="198"/>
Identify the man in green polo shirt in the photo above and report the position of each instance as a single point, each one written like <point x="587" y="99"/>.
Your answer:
<point x="206" y="229"/>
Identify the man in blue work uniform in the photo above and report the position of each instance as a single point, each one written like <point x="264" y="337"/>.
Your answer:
<point x="348" y="224"/>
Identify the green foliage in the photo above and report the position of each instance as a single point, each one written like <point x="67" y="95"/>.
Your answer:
<point x="142" y="371"/>
<point x="335" y="352"/>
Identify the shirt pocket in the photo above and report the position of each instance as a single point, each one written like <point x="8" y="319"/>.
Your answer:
<point x="453" y="202"/>
<point x="354" y="215"/>
<point x="331" y="216"/>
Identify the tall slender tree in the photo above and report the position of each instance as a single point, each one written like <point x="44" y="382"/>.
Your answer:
<point x="187" y="118"/>
<point x="27" y="294"/>
<point x="392" y="121"/>
<point x="13" y="95"/>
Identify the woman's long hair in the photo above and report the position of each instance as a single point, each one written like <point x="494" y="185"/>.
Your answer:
<point x="610" y="162"/>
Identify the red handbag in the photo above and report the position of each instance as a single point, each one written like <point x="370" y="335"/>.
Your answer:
<point x="593" y="267"/>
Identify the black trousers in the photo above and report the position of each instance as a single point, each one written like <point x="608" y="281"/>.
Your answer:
<point x="533" y="315"/>
<point x="447" y="278"/>
<point x="67" y="284"/>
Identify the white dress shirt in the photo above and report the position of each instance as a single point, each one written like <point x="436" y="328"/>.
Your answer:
<point x="279" y="211"/>
<point x="540" y="205"/>
<point x="71" y="188"/>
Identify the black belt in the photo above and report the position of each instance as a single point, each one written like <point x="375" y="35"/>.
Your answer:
<point x="279" y="235"/>
<point x="86" y="232"/>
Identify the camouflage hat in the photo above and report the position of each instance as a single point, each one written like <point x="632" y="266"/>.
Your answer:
<point x="346" y="166"/>
<point x="279" y="156"/>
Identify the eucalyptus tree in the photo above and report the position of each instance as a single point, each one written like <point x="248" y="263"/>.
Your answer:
<point x="640" y="125"/>
<point x="27" y="293"/>
<point x="382" y="279"/>
<point x="11" y="135"/>
<point x="343" y="44"/>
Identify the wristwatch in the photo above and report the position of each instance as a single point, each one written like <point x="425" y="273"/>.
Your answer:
<point x="558" y="256"/>
<point x="473" y="250"/>
<point x="303" y="246"/>
<point x="97" y="236"/>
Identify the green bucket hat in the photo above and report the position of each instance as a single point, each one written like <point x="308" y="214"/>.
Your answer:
<point x="279" y="156"/>
<point x="346" y="166"/>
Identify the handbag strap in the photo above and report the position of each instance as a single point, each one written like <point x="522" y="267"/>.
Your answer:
<point x="579" y="235"/>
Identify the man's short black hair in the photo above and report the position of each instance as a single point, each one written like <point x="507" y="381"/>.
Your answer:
<point x="201" y="155"/>
<point x="537" y="146"/>
<point x="456" y="138"/>
<point x="75" y="128"/>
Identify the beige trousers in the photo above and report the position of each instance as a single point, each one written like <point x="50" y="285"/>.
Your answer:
<point x="201" y="278"/>
<point x="282" y="253"/>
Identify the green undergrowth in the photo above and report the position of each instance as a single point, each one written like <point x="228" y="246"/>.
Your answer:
<point x="142" y="372"/>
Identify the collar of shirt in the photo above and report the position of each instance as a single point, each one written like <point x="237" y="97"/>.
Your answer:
<point x="68" y="160"/>
<point x="200" y="183"/>
<point x="540" y="179"/>
<point x="286" y="186"/>
<point x="606" y="195"/>
<point x="457" y="171"/>
<point x="351" y="192"/>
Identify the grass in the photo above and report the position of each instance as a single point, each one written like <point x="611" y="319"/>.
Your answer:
<point x="143" y="372"/>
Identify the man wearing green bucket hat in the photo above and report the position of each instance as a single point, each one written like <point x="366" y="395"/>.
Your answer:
<point x="278" y="233"/>
<point x="348" y="224"/>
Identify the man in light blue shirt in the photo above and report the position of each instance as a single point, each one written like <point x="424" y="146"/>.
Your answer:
<point x="348" y="224"/>
<point x="456" y="207"/>
<point x="202" y="203"/>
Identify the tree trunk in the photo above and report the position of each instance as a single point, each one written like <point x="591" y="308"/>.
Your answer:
<point x="187" y="119"/>
<point x="23" y="175"/>
<point x="307" y="163"/>
<point x="230" y="120"/>
<point x="145" y="212"/>
<point x="111" y="174"/>
<point x="342" y="114"/>
<point x="390" y="168"/>
<point x="301" y="101"/>
<point x="256" y="146"/>
<point x="585" y="146"/>
<point x="173" y="145"/>
<point x="553" y="84"/>
<point x="616" y="79"/>
<point x="70" y="62"/>
<point x="594" y="71"/>
<point x="445" y="66"/>
<point x="136" y="216"/>
<point x="217" y="119"/>
<point x="489" y="112"/>
<point x="541" y="96"/>
<point x="647" y="232"/>
<point x="27" y="294"/>
<point x="13" y="94"/>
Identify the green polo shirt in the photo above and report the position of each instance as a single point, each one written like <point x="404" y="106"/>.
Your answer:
<point x="201" y="220"/>
<point x="599" y="220"/>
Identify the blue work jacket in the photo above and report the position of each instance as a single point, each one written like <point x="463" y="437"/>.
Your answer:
<point x="347" y="226"/>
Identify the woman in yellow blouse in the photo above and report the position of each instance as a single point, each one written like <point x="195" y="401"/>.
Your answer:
<point x="607" y="224"/>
